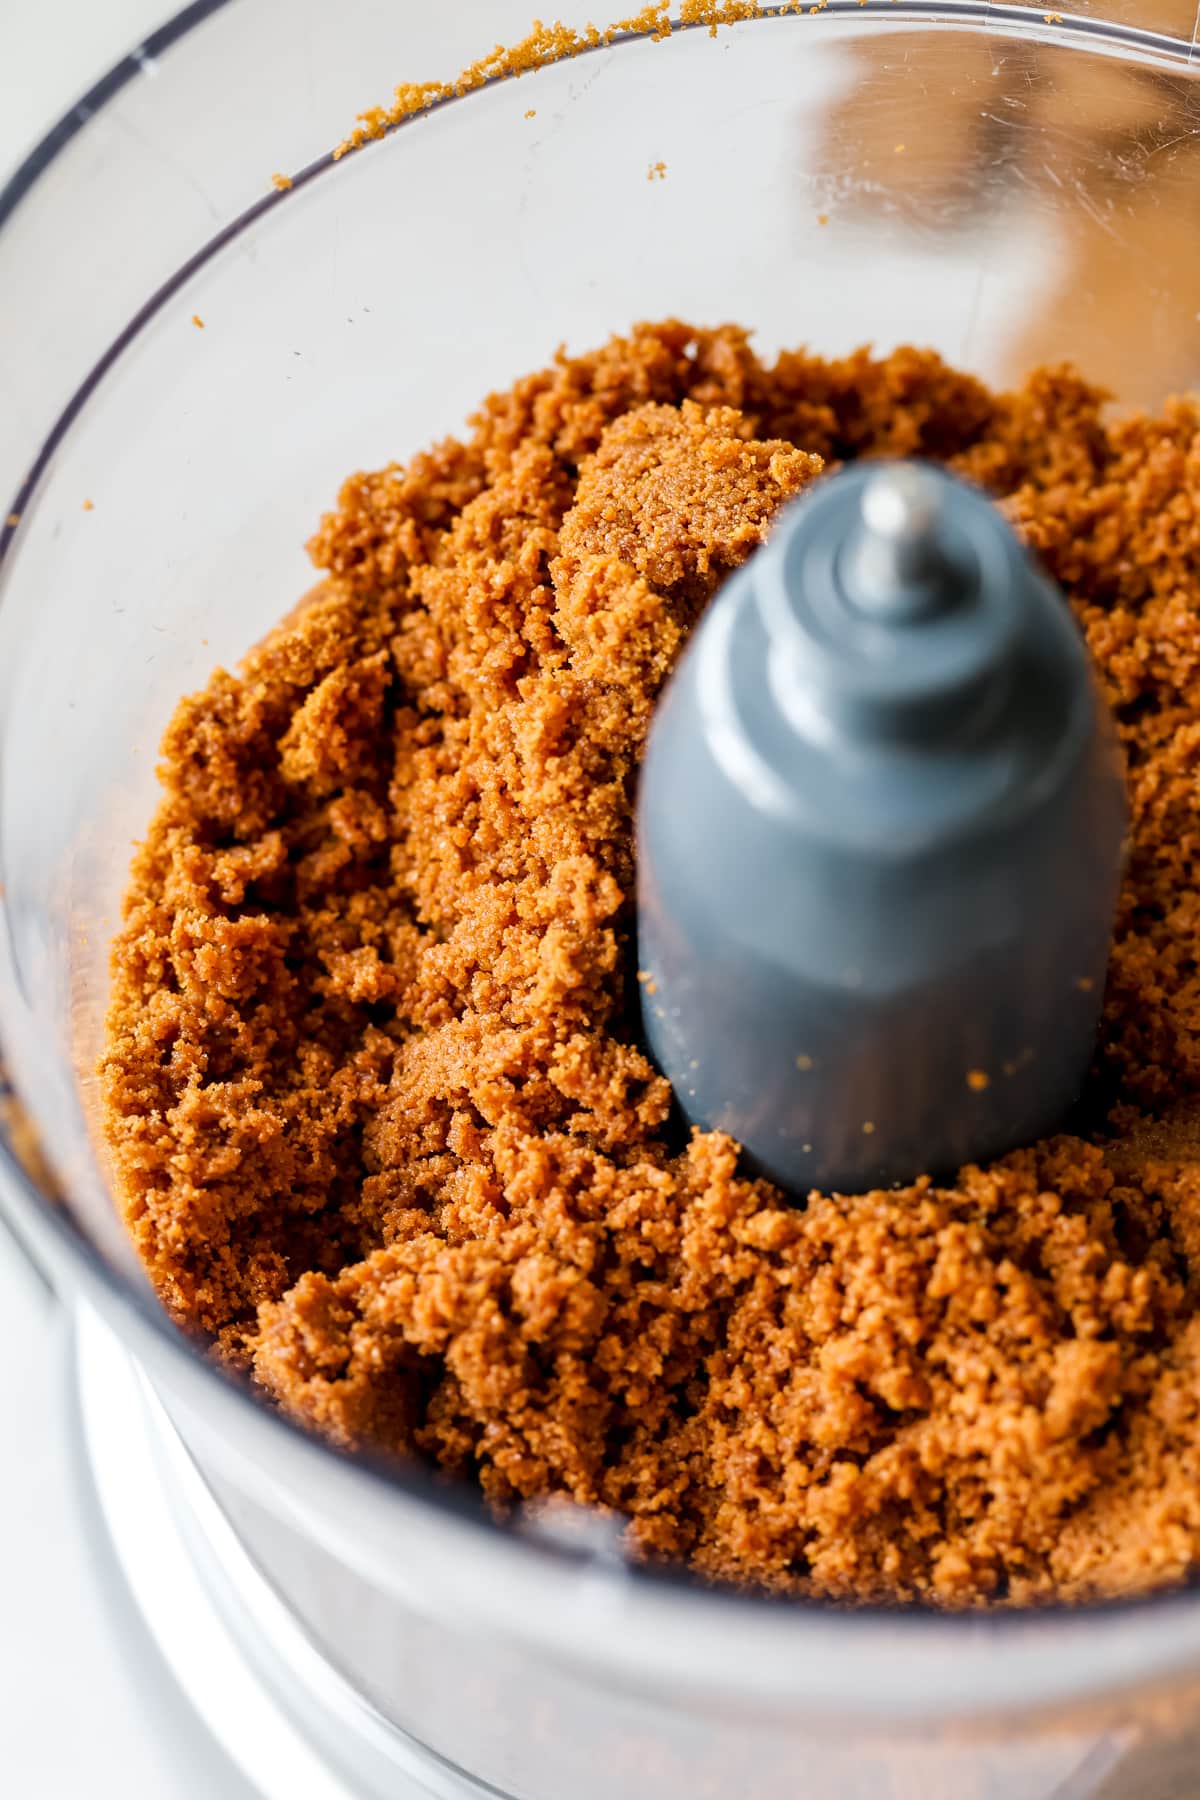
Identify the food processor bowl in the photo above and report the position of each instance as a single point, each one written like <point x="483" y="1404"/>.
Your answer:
<point x="193" y="357"/>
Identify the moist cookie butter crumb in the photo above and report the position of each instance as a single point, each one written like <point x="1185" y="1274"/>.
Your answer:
<point x="385" y="1133"/>
<point x="542" y="47"/>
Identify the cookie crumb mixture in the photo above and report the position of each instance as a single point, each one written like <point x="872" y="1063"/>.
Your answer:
<point x="383" y="1129"/>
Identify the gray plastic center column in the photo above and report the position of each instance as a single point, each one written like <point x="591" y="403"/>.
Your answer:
<point x="880" y="836"/>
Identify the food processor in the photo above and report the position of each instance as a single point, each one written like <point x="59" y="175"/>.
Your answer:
<point x="881" y="821"/>
<point x="193" y="358"/>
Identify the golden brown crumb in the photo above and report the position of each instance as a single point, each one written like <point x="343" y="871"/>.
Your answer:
<point x="89" y="506"/>
<point x="14" y="519"/>
<point x="197" y="321"/>
<point x="822" y="218"/>
<point x="282" y="182"/>
<point x="532" y="113"/>
<point x="542" y="46"/>
<point x="657" y="171"/>
<point x="978" y="1080"/>
<point x="384" y="1129"/>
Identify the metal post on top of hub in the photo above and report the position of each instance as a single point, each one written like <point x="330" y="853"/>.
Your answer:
<point x="880" y="834"/>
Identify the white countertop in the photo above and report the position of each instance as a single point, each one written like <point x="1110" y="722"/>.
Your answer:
<point x="82" y="1713"/>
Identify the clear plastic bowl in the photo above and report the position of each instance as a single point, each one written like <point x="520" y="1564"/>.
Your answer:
<point x="997" y="182"/>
